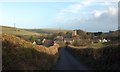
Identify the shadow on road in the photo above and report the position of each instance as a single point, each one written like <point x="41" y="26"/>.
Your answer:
<point x="68" y="62"/>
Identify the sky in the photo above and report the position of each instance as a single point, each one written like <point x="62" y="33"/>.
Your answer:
<point x="87" y="15"/>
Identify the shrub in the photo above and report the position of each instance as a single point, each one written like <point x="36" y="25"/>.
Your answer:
<point x="32" y="38"/>
<point x="102" y="58"/>
<point x="82" y="42"/>
<point x="38" y="42"/>
<point x="18" y="54"/>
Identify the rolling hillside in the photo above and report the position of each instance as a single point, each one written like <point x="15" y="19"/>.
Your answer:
<point x="16" y="31"/>
<point x="48" y="30"/>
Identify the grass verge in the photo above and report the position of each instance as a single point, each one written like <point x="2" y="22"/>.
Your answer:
<point x="105" y="58"/>
<point x="18" y="54"/>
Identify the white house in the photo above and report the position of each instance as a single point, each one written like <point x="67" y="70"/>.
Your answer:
<point x="43" y="40"/>
<point x="104" y="40"/>
<point x="34" y="42"/>
<point x="100" y="40"/>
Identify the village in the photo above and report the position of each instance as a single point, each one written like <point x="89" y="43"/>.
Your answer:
<point x="75" y="38"/>
<point x="59" y="35"/>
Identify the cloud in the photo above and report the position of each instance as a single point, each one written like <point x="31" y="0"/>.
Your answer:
<point x="77" y="8"/>
<point x="73" y="9"/>
<point x="105" y="22"/>
<point x="85" y="15"/>
<point x="101" y="20"/>
<point x="55" y="0"/>
<point x="113" y="10"/>
<point x="97" y="14"/>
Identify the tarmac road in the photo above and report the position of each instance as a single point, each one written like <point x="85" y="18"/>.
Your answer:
<point x="68" y="62"/>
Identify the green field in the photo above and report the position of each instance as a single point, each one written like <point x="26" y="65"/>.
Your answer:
<point x="48" y="30"/>
<point x="16" y="31"/>
<point x="20" y="31"/>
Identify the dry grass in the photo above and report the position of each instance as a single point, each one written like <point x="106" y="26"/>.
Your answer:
<point x="18" y="54"/>
<point x="95" y="45"/>
<point x="107" y="58"/>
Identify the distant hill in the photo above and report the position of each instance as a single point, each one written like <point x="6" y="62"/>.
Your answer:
<point x="48" y="31"/>
<point x="16" y="31"/>
<point x="20" y="31"/>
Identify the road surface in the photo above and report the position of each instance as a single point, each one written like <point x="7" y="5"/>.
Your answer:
<point x="68" y="62"/>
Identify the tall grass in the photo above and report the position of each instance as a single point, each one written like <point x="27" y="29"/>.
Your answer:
<point x="18" y="54"/>
<point x="105" y="58"/>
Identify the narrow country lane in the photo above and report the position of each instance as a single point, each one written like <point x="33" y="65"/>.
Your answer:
<point x="68" y="62"/>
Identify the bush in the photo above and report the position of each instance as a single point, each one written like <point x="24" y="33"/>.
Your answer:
<point x="82" y="42"/>
<point x="76" y="43"/>
<point x="32" y="38"/>
<point x="105" y="58"/>
<point x="18" y="54"/>
<point x="38" y="42"/>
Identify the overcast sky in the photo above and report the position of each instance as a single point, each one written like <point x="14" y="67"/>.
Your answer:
<point x="87" y="15"/>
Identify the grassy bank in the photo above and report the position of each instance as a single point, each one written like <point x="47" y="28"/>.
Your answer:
<point x="18" y="54"/>
<point x="105" y="58"/>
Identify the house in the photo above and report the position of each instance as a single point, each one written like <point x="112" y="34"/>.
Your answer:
<point x="68" y="35"/>
<point x="78" y="32"/>
<point x="43" y="40"/>
<point x="75" y="32"/>
<point x="48" y="42"/>
<point x="38" y="41"/>
<point x="68" y="40"/>
<point x="104" y="40"/>
<point x="100" y="40"/>
<point x="34" y="42"/>
<point x="59" y="38"/>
